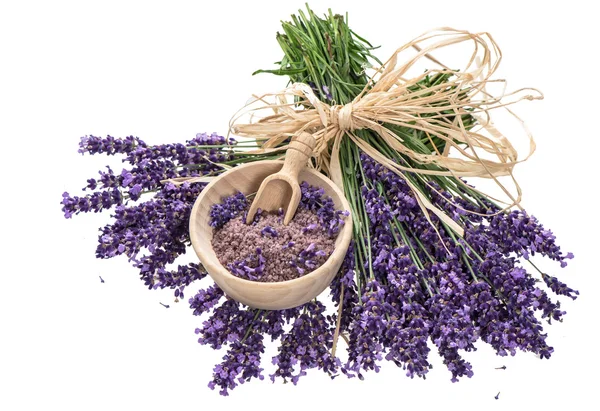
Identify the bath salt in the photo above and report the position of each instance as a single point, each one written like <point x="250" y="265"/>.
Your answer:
<point x="269" y="251"/>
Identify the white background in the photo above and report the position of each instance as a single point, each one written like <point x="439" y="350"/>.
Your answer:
<point x="164" y="72"/>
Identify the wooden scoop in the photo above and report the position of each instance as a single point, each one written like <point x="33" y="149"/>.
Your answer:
<point x="281" y="190"/>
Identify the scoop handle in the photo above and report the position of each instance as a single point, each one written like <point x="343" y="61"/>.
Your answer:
<point x="297" y="154"/>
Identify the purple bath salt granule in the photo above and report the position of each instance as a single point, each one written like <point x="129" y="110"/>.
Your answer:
<point x="267" y="250"/>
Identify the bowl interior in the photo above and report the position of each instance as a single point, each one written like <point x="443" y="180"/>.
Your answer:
<point x="279" y="295"/>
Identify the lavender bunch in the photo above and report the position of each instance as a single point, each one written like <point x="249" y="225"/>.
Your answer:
<point x="152" y="232"/>
<point x="413" y="289"/>
<point x="453" y="291"/>
<point x="414" y="280"/>
<point x="402" y="288"/>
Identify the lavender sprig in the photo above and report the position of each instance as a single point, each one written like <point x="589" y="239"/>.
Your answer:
<point x="251" y="267"/>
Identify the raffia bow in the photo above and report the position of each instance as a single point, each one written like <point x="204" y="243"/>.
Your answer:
<point x="390" y="98"/>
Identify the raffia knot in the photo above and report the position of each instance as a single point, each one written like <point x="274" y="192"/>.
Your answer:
<point x="341" y="117"/>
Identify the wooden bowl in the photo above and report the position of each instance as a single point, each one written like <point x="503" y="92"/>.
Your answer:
<point x="270" y="296"/>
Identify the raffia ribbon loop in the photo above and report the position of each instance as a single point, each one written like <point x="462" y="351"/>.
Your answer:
<point x="393" y="99"/>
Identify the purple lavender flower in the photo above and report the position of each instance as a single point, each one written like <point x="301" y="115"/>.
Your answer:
<point x="314" y="199"/>
<point x="306" y="346"/>
<point x="365" y="349"/>
<point x="228" y="209"/>
<point x="308" y="259"/>
<point x="406" y="336"/>
<point x="309" y="228"/>
<point x="378" y="211"/>
<point x="228" y="323"/>
<point x="558" y="287"/>
<point x="269" y="231"/>
<point x="521" y="233"/>
<point x="452" y="331"/>
<point x="95" y="202"/>
<point x="109" y="145"/>
<point x="206" y="299"/>
<point x="251" y="267"/>
<point x="240" y="364"/>
<point x="328" y="95"/>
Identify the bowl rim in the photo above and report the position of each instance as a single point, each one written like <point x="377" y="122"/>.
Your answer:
<point x="345" y="232"/>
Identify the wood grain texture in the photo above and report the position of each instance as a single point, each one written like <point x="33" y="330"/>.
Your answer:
<point x="282" y="190"/>
<point x="271" y="296"/>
